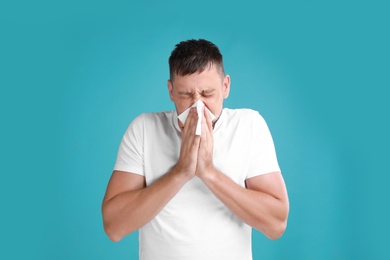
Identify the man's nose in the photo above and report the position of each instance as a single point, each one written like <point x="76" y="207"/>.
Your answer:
<point x="196" y="98"/>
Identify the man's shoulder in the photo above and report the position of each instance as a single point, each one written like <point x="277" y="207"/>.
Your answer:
<point x="154" y="119"/>
<point x="241" y="113"/>
<point x="154" y="116"/>
<point x="244" y="117"/>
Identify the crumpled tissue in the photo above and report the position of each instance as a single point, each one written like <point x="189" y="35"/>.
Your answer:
<point x="199" y="107"/>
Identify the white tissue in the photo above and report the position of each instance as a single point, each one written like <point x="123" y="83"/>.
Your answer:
<point x="199" y="107"/>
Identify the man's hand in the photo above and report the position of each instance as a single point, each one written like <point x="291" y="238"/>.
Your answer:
<point x="129" y="204"/>
<point x="189" y="146"/>
<point x="205" y="154"/>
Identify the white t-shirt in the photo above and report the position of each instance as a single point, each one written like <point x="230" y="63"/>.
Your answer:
<point x="195" y="224"/>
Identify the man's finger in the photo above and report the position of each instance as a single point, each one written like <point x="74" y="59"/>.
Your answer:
<point x="192" y="120"/>
<point x="208" y="119"/>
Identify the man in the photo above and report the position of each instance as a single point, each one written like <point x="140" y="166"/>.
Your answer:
<point x="196" y="196"/>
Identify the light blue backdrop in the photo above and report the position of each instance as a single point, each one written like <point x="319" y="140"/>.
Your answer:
<point x="73" y="74"/>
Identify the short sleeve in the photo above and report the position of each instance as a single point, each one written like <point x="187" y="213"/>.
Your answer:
<point x="130" y="154"/>
<point x="263" y="155"/>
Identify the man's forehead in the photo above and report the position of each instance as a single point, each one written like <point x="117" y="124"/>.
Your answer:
<point x="193" y="83"/>
<point x="210" y="71"/>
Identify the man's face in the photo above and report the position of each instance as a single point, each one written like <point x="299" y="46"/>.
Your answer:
<point x="209" y="86"/>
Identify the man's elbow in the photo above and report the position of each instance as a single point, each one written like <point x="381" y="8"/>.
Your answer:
<point x="116" y="232"/>
<point x="111" y="233"/>
<point x="277" y="230"/>
<point x="278" y="225"/>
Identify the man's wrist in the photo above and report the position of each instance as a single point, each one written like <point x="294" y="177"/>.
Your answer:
<point x="210" y="176"/>
<point x="180" y="174"/>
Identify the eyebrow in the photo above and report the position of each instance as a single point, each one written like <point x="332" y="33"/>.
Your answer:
<point x="208" y="91"/>
<point x="185" y="93"/>
<point x="190" y="93"/>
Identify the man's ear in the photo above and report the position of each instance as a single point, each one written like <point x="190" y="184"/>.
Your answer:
<point x="226" y="86"/>
<point x="170" y="89"/>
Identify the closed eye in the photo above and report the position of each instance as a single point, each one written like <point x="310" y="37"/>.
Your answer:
<point x="208" y="93"/>
<point x="185" y="95"/>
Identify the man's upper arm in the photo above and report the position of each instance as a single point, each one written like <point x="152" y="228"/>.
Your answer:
<point x="270" y="183"/>
<point x="121" y="181"/>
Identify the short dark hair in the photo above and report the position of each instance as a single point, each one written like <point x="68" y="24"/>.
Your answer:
<point x="194" y="56"/>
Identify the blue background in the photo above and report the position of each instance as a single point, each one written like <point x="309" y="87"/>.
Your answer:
<point x="73" y="74"/>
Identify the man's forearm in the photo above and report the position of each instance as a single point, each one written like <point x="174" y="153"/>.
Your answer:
<point x="263" y="211"/>
<point x="130" y="210"/>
